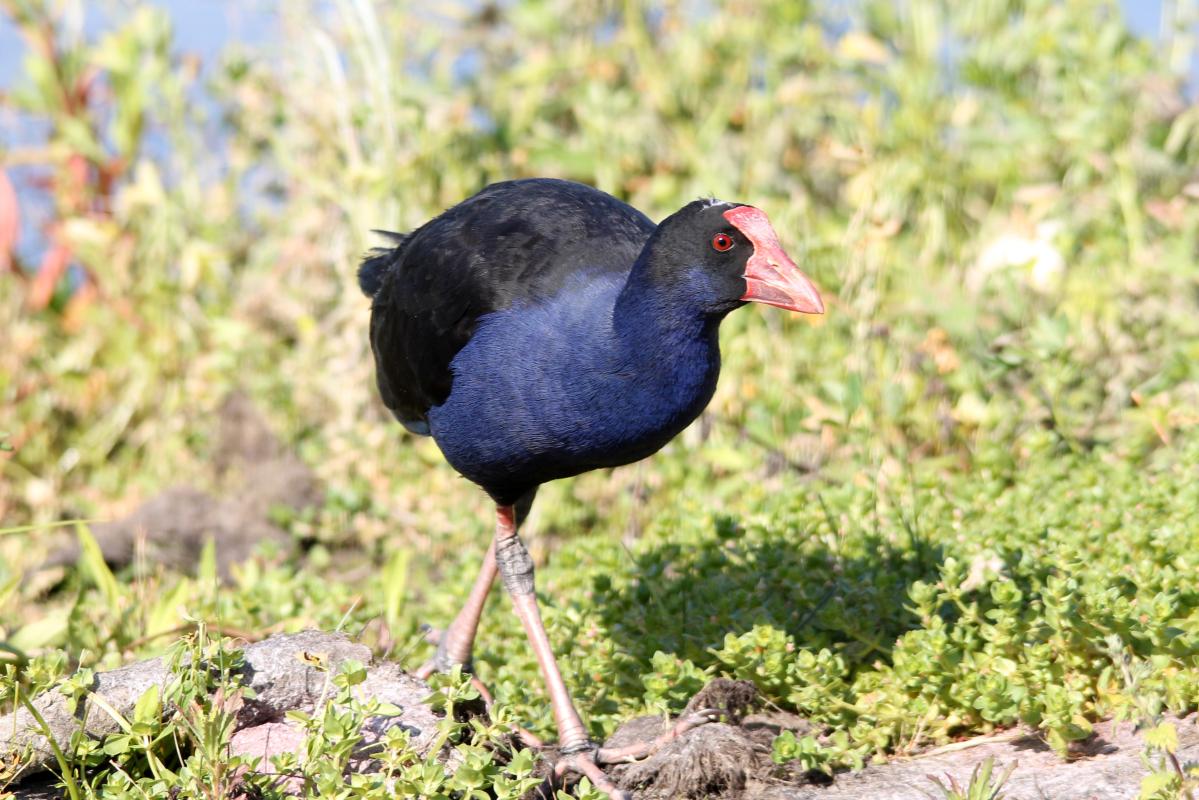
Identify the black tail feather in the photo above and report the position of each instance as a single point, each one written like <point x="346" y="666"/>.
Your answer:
<point x="376" y="263"/>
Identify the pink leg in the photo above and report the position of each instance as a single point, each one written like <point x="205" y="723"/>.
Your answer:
<point x="457" y="641"/>
<point x="508" y="556"/>
<point x="516" y="568"/>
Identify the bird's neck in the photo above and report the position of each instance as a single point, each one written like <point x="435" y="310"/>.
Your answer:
<point x="653" y="313"/>
<point x="668" y="342"/>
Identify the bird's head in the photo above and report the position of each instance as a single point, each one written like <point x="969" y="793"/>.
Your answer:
<point x="727" y="254"/>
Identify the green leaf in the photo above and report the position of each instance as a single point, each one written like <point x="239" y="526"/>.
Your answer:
<point x="115" y="745"/>
<point x="1158" y="786"/>
<point x="148" y="707"/>
<point x="48" y="631"/>
<point x="92" y="563"/>
<point x="1164" y="736"/>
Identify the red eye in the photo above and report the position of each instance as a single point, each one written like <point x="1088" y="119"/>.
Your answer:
<point x="722" y="242"/>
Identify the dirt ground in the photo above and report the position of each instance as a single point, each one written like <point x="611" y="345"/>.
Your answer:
<point x="252" y="474"/>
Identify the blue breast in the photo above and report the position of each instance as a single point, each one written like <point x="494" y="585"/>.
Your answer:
<point x="556" y="388"/>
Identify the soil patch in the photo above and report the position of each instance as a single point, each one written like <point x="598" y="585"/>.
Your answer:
<point x="253" y="473"/>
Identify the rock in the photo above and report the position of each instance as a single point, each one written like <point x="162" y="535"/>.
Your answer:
<point x="287" y="672"/>
<point x="255" y="474"/>
<point x="1111" y="770"/>
<point x="721" y="760"/>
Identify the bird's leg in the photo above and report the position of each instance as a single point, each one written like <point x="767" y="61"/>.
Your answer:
<point x="516" y="568"/>
<point x="578" y="752"/>
<point x="456" y="642"/>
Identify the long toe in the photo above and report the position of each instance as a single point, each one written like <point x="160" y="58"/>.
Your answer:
<point x="432" y="636"/>
<point x="640" y="750"/>
<point x="584" y="762"/>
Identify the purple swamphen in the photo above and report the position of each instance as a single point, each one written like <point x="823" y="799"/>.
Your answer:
<point x="543" y="328"/>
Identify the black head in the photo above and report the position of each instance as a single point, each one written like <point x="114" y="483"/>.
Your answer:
<point x="718" y="256"/>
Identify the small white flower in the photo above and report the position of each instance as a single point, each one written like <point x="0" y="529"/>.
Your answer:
<point x="1037" y="254"/>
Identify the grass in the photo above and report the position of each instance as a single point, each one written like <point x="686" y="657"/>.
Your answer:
<point x="963" y="500"/>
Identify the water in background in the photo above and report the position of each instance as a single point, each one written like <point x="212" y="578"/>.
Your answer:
<point x="203" y="28"/>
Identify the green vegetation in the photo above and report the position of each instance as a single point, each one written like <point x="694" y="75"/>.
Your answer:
<point x="965" y="499"/>
<point x="980" y="786"/>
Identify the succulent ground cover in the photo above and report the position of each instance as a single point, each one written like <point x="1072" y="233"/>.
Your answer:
<point x="964" y="501"/>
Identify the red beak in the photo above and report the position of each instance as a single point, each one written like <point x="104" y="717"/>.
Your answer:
<point x="771" y="277"/>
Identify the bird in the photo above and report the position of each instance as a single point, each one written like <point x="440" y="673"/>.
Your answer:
<point x="542" y="328"/>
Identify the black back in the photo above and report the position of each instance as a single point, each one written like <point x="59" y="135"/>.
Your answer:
<point x="513" y="241"/>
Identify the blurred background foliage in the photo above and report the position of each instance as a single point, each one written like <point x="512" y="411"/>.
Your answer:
<point x="999" y="198"/>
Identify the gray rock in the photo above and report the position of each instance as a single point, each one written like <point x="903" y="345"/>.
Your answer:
<point x="1108" y="767"/>
<point x="287" y="672"/>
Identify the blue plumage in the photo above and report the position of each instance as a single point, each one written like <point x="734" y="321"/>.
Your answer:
<point x="597" y="375"/>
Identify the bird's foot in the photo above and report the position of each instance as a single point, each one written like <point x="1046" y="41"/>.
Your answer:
<point x="588" y="758"/>
<point x="583" y="759"/>
<point x="640" y="750"/>
<point x="441" y="660"/>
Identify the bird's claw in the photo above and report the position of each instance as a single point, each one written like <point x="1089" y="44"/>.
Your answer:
<point x="441" y="661"/>
<point x="586" y="758"/>
<point x="640" y="750"/>
<point x="698" y="717"/>
<point x="432" y="635"/>
<point x="583" y="759"/>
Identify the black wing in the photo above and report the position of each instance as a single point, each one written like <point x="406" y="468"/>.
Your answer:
<point x="512" y="241"/>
